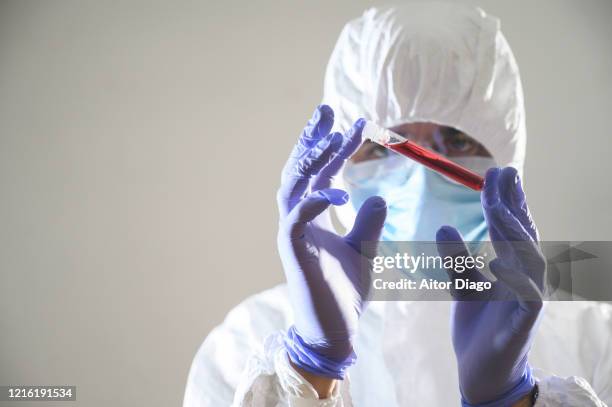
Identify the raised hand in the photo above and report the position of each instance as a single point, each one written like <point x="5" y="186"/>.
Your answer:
<point x="325" y="272"/>
<point x="492" y="330"/>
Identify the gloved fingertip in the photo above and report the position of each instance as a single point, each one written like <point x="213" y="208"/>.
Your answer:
<point x="448" y="234"/>
<point x="492" y="172"/>
<point x="317" y="127"/>
<point x="510" y="172"/>
<point x="326" y="110"/>
<point x="360" y="123"/>
<point x="509" y="177"/>
<point x="325" y="122"/>
<point x="351" y="141"/>
<point x="322" y="111"/>
<point x="376" y="202"/>
<point x="334" y="196"/>
<point x="490" y="191"/>
<point x="337" y="140"/>
<point x="518" y="183"/>
<point x="510" y="189"/>
<point x="492" y="177"/>
<point x="357" y="128"/>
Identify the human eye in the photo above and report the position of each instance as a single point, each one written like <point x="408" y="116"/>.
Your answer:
<point x="458" y="143"/>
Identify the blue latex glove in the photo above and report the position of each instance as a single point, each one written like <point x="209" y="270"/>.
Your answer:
<point x="492" y="338"/>
<point x="327" y="283"/>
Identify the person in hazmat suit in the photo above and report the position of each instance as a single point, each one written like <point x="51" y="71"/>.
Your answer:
<point x="443" y="75"/>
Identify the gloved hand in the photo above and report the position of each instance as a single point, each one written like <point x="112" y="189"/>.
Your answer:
<point x="327" y="284"/>
<point x="492" y="330"/>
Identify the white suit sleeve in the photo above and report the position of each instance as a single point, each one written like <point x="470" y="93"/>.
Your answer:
<point x="582" y="334"/>
<point x="243" y="360"/>
<point x="571" y="391"/>
<point x="269" y="380"/>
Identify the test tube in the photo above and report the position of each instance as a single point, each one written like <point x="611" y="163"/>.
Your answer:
<point x="428" y="158"/>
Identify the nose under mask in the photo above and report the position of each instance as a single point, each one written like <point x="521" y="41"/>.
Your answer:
<point x="378" y="175"/>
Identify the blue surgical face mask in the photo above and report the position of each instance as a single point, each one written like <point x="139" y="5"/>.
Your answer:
<point x="419" y="200"/>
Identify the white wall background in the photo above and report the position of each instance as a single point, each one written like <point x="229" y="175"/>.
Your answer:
<point x="140" y="149"/>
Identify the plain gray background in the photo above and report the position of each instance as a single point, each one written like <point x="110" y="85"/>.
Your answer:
<point x="140" y="150"/>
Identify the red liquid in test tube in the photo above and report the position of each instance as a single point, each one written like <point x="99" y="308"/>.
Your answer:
<point x="422" y="155"/>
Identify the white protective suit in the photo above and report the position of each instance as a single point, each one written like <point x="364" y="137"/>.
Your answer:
<point x="441" y="63"/>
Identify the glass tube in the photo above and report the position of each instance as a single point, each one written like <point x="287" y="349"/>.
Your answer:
<point x="428" y="158"/>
